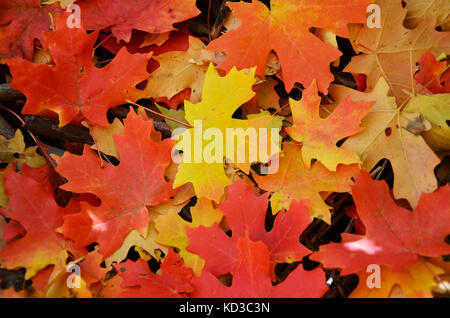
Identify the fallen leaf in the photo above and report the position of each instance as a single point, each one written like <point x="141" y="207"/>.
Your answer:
<point x="285" y="29"/>
<point x="125" y="190"/>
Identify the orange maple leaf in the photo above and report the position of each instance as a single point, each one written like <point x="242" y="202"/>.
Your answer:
<point x="285" y="29"/>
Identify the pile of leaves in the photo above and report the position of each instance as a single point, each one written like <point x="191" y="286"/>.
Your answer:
<point x="93" y="204"/>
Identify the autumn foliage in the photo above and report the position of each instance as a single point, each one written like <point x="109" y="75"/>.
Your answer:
<point x="98" y="200"/>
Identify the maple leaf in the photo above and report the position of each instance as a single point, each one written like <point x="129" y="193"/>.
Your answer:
<point x="418" y="10"/>
<point x="251" y="278"/>
<point x="10" y="148"/>
<point x="197" y="207"/>
<point x="152" y="16"/>
<point x="294" y="181"/>
<point x="91" y="270"/>
<point x="173" y="230"/>
<point x="267" y="96"/>
<point x="178" y="41"/>
<point x="285" y="29"/>
<point x="392" y="50"/>
<point x="157" y="39"/>
<point x="395" y="237"/>
<point x="75" y="86"/>
<point x="221" y="97"/>
<point x="416" y="281"/>
<point x="52" y="281"/>
<point x="179" y="115"/>
<point x="145" y="245"/>
<point x="124" y="190"/>
<point x="31" y="203"/>
<point x="432" y="74"/>
<point x="139" y="281"/>
<point x="103" y="137"/>
<point x="245" y="214"/>
<point x="436" y="110"/>
<point x="387" y="135"/>
<point x="319" y="136"/>
<point x="179" y="70"/>
<point x="22" y="21"/>
<point x="63" y="3"/>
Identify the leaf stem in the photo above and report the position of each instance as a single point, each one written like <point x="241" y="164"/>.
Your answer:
<point x="159" y="114"/>
<point x="39" y="143"/>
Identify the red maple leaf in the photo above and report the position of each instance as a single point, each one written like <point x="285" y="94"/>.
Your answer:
<point x="152" y="16"/>
<point x="251" y="278"/>
<point x="245" y="214"/>
<point x="178" y="41"/>
<point x="394" y="236"/>
<point x="138" y="281"/>
<point x="21" y="22"/>
<point x="74" y="86"/>
<point x="32" y="204"/>
<point x="124" y="190"/>
<point x="434" y="75"/>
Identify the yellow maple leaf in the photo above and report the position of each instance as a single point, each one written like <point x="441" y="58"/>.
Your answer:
<point x="103" y="137"/>
<point x="435" y="109"/>
<point x="221" y="97"/>
<point x="10" y="148"/>
<point x="172" y="230"/>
